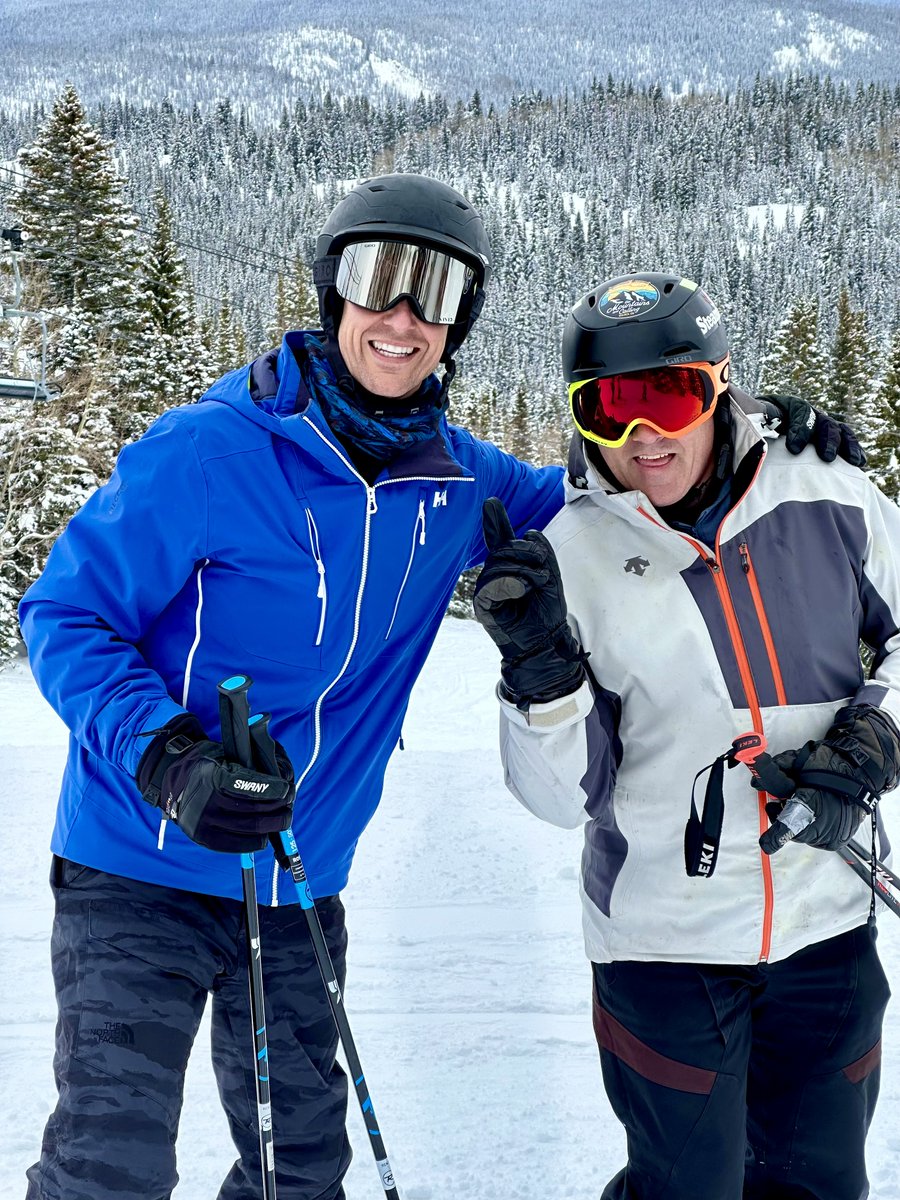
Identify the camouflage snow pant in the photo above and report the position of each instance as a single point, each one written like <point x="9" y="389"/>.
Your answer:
<point x="133" y="964"/>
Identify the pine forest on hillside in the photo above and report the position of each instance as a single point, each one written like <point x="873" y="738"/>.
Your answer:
<point x="265" y="53"/>
<point x="166" y="244"/>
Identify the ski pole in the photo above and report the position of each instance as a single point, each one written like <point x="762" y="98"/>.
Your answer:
<point x="333" y="991"/>
<point x="233" y="716"/>
<point x="286" y="848"/>
<point x="881" y="879"/>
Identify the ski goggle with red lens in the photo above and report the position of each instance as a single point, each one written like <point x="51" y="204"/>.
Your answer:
<point x="376" y="275"/>
<point x="671" y="400"/>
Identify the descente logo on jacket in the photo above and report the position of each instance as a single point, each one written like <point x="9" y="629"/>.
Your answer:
<point x="248" y="785"/>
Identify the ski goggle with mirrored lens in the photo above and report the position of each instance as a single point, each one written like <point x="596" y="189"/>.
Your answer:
<point x="671" y="400"/>
<point x="376" y="275"/>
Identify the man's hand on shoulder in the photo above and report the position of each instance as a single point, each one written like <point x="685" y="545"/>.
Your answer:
<point x="801" y="423"/>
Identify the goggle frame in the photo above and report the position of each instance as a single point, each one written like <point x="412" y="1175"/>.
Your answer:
<point x="715" y="373"/>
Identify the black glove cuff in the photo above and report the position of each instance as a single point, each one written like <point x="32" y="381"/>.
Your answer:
<point x="549" y="671"/>
<point x="184" y="730"/>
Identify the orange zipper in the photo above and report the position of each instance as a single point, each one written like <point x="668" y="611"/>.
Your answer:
<point x="746" y="674"/>
<point x="747" y="567"/>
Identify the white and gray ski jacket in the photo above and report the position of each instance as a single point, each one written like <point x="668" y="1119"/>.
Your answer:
<point x="698" y="644"/>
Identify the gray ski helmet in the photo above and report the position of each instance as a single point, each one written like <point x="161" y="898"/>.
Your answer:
<point x="638" y="322"/>
<point x="410" y="208"/>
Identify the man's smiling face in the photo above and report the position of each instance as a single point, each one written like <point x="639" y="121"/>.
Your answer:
<point x="390" y="353"/>
<point x="663" y="468"/>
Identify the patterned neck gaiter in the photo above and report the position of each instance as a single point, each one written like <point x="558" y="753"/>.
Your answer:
<point x="380" y="437"/>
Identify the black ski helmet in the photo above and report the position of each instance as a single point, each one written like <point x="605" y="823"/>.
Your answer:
<point x="638" y="322"/>
<point x="410" y="208"/>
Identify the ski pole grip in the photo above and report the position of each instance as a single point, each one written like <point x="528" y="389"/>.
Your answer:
<point x="234" y="717"/>
<point x="747" y="748"/>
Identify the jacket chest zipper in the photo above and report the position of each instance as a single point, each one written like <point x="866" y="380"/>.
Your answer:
<point x="740" y="651"/>
<point x="743" y="660"/>
<point x="760" y="610"/>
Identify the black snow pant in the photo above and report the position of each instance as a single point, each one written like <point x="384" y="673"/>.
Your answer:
<point x="744" y="1082"/>
<point x="133" y="964"/>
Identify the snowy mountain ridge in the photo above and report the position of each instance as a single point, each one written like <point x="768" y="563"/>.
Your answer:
<point x="267" y="53"/>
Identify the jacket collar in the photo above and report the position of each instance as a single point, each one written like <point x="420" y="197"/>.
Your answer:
<point x="277" y="386"/>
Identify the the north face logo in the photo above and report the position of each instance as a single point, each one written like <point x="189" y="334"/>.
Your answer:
<point x="114" y="1033"/>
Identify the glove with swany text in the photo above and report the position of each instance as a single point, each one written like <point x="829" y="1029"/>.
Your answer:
<point x="520" y="602"/>
<point x="801" y="424"/>
<point x="824" y="790"/>
<point x="219" y="804"/>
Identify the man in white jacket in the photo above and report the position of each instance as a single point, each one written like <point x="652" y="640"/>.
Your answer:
<point x="714" y="586"/>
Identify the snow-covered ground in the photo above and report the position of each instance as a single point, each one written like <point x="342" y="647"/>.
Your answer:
<point x="468" y="993"/>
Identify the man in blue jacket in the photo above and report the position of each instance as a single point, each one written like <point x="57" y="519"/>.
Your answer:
<point x="305" y="524"/>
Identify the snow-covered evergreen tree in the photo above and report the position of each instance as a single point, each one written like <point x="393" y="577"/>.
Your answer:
<point x="850" y="372"/>
<point x="795" y="363"/>
<point x="880" y="431"/>
<point x="75" y="219"/>
<point x="178" y="357"/>
<point x="85" y="278"/>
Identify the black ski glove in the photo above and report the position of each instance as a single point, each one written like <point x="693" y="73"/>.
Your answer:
<point x="219" y="804"/>
<point x="801" y="424"/>
<point x="825" y="789"/>
<point x="520" y="602"/>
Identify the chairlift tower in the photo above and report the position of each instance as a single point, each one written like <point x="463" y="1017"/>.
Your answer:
<point x="14" y="387"/>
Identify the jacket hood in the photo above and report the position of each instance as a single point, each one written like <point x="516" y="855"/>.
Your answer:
<point x="270" y="391"/>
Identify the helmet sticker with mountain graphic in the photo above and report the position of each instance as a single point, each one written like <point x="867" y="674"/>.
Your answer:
<point x="632" y="298"/>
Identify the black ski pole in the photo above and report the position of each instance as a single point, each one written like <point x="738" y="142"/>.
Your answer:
<point x="333" y="991"/>
<point x="234" y="711"/>
<point x="879" y="877"/>
<point x="259" y="733"/>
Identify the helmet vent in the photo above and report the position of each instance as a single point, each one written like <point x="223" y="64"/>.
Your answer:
<point x="683" y="348"/>
<point x="459" y="204"/>
<point x="377" y="187"/>
<point x="592" y="300"/>
<point x="668" y="288"/>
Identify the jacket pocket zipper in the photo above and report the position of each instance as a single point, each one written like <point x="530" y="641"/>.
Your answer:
<point x="418" y="539"/>
<point x="322" y="590"/>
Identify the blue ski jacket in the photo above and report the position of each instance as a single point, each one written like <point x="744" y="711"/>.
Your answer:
<point x="236" y="537"/>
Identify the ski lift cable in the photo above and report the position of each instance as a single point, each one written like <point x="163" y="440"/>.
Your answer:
<point x="189" y="245"/>
<point x="66" y="191"/>
<point x="106" y="267"/>
<point x="77" y="208"/>
<point x="143" y="233"/>
<point x="103" y="265"/>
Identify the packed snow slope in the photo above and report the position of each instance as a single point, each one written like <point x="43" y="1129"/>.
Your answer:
<point x="468" y="992"/>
